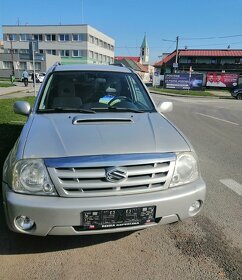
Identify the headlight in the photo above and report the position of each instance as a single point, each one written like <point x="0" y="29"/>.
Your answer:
<point x="30" y="176"/>
<point x="186" y="169"/>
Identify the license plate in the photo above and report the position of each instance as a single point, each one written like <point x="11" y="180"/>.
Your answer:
<point x="105" y="219"/>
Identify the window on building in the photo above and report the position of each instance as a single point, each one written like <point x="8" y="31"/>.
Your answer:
<point x="41" y="51"/>
<point x="37" y="66"/>
<point x="100" y="57"/>
<point x="91" y="39"/>
<point x="77" y="53"/>
<point x="51" y="52"/>
<point x="50" y="37"/>
<point x="64" y="37"/>
<point x="22" y="65"/>
<point x="7" y="65"/>
<point x="77" y="37"/>
<point x="96" y="41"/>
<point x="90" y="54"/>
<point x="25" y="37"/>
<point x="238" y="60"/>
<point x="104" y="58"/>
<point x="12" y="37"/>
<point x="111" y="47"/>
<point x="213" y="60"/>
<point x="100" y="43"/>
<point x="105" y="45"/>
<point x="38" y="37"/>
<point x="23" y="51"/>
<point x="65" y="53"/>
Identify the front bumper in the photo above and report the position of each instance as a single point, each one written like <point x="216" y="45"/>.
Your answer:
<point x="62" y="216"/>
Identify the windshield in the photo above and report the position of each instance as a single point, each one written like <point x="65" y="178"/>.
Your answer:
<point x="91" y="91"/>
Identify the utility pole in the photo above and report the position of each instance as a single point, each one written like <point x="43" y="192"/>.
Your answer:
<point x="33" y="52"/>
<point x="177" y="41"/>
<point x="12" y="57"/>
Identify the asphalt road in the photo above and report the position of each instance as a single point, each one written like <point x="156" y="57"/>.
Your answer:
<point x="208" y="246"/>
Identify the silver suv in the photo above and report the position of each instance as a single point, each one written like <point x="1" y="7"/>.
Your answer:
<point x="96" y="156"/>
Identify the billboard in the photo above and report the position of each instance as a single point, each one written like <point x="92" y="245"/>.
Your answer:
<point x="222" y="80"/>
<point x="183" y="81"/>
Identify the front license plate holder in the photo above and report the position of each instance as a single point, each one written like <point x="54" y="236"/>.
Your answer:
<point x="114" y="218"/>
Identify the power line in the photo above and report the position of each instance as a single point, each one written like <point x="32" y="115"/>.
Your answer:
<point x="204" y="38"/>
<point x="220" y="44"/>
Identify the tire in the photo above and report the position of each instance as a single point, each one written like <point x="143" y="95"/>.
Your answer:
<point x="239" y="96"/>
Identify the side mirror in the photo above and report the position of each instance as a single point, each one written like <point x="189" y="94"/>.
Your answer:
<point x="22" y="108"/>
<point x="165" y="107"/>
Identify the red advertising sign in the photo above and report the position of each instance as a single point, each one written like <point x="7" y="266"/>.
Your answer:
<point x="225" y="80"/>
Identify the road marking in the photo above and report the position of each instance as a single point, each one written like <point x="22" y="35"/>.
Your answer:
<point x="212" y="117"/>
<point x="233" y="185"/>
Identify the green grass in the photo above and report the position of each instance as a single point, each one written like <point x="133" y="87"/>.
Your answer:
<point x="11" y="125"/>
<point x="183" y="92"/>
<point x="5" y="84"/>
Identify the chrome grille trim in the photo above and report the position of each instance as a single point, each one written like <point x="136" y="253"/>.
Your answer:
<point x="86" y="176"/>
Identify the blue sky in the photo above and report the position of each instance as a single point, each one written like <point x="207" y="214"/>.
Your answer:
<point x="127" y="21"/>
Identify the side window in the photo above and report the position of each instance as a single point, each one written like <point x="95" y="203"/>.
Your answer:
<point x="139" y="96"/>
<point x="45" y="96"/>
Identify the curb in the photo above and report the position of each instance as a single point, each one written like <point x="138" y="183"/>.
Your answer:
<point x="13" y="92"/>
<point x="190" y="96"/>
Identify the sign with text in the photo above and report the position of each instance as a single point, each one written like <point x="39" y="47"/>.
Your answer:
<point x="184" y="81"/>
<point x="222" y="80"/>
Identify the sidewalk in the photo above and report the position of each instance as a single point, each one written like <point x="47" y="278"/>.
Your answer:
<point x="216" y="94"/>
<point x="18" y="88"/>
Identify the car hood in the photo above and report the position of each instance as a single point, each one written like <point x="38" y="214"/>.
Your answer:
<point x="64" y="135"/>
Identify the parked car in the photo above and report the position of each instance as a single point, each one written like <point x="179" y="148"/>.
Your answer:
<point x="97" y="156"/>
<point x="237" y="93"/>
<point x="40" y="77"/>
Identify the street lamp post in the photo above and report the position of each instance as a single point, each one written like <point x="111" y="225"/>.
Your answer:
<point x="177" y="40"/>
<point x="34" y="80"/>
<point x="12" y="76"/>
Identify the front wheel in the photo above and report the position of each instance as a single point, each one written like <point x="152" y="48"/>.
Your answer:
<point x="239" y="96"/>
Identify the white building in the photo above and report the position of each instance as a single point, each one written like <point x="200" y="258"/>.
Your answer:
<point x="69" y="43"/>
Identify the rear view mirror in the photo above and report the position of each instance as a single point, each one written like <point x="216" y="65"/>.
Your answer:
<point x="22" y="108"/>
<point x="165" y="107"/>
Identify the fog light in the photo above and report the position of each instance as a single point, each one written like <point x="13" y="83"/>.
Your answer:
<point x="195" y="208"/>
<point x="24" y="223"/>
<point x="48" y="188"/>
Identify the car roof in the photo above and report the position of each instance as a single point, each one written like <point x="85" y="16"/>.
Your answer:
<point x="92" y="67"/>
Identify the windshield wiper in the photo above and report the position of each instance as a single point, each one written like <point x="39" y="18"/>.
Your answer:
<point x="66" y="110"/>
<point x="119" y="109"/>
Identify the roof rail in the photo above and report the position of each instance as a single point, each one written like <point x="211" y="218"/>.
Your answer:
<point x="131" y="69"/>
<point x="55" y="65"/>
<point x="118" y="64"/>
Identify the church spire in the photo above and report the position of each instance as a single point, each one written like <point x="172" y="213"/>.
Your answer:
<point x="144" y="51"/>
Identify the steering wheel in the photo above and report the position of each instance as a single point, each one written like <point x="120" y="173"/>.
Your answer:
<point x="119" y="99"/>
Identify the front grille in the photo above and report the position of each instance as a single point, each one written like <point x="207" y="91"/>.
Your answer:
<point x="90" y="181"/>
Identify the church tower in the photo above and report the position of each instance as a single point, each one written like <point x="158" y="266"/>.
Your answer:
<point x="144" y="52"/>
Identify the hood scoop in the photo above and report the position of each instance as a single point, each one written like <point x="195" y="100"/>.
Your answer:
<point x="100" y="120"/>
